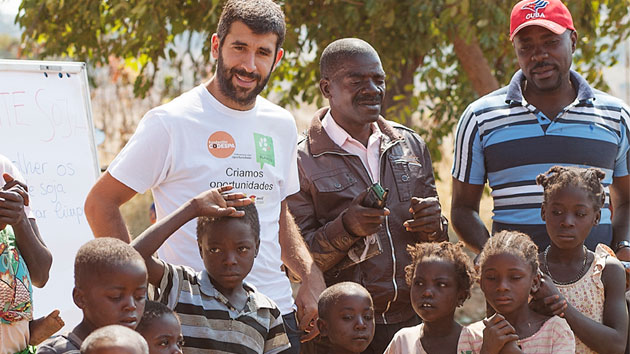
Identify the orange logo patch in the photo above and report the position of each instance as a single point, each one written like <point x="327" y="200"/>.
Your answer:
<point x="221" y="144"/>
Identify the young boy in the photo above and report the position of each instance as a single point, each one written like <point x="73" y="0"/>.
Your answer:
<point x="114" y="339"/>
<point x="346" y="318"/>
<point x="218" y="311"/>
<point x="110" y="287"/>
<point x="24" y="261"/>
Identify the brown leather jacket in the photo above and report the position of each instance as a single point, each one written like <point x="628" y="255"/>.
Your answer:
<point x="330" y="178"/>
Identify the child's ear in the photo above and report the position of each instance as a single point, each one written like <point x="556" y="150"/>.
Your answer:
<point x="542" y="211"/>
<point x="461" y="297"/>
<point x="323" y="327"/>
<point x="78" y="297"/>
<point x="535" y="282"/>
<point x="199" y="246"/>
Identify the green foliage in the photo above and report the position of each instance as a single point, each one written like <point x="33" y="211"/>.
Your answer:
<point x="414" y="38"/>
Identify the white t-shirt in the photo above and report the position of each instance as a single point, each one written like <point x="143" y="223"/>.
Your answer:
<point x="195" y="143"/>
<point x="6" y="166"/>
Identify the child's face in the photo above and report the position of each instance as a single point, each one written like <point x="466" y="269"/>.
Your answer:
<point x="350" y="323"/>
<point x="228" y="253"/>
<point x="506" y="281"/>
<point x="569" y="217"/>
<point x="114" y="296"/>
<point x="435" y="292"/>
<point x="164" y="335"/>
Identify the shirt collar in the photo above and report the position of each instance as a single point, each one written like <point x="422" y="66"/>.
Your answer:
<point x="339" y="135"/>
<point x="254" y="301"/>
<point x="515" y="92"/>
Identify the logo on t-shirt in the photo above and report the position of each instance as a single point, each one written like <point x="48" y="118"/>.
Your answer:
<point x="221" y="144"/>
<point x="264" y="150"/>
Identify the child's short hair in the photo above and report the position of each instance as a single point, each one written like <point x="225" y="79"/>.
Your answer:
<point x="588" y="179"/>
<point x="101" y="254"/>
<point x="114" y="335"/>
<point x="204" y="223"/>
<point x="153" y="310"/>
<point x="333" y="293"/>
<point x="511" y="242"/>
<point x="447" y="251"/>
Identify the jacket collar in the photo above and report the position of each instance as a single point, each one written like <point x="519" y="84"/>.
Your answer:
<point x="319" y="142"/>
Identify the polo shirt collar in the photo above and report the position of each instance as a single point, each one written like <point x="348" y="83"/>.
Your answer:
<point x="254" y="301"/>
<point x="515" y="93"/>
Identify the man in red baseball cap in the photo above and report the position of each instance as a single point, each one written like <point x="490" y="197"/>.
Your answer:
<point x="547" y="115"/>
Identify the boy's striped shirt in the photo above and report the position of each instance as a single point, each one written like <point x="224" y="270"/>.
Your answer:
<point x="211" y="324"/>
<point x="505" y="140"/>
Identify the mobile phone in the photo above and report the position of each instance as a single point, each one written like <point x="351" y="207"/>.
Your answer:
<point x="376" y="197"/>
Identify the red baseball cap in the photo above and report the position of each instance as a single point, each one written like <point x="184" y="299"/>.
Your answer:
<point x="551" y="14"/>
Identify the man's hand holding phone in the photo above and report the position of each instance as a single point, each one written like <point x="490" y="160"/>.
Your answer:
<point x="363" y="216"/>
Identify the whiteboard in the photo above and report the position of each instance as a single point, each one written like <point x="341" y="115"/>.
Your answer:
<point x="46" y="130"/>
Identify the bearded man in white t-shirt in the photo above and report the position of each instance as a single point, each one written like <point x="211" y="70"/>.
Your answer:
<point x="216" y="134"/>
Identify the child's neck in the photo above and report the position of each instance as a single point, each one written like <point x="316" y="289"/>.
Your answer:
<point x="83" y="329"/>
<point x="525" y="321"/>
<point x="338" y="350"/>
<point x="237" y="296"/>
<point x="441" y="336"/>
<point x="565" y="255"/>
<point x="441" y="328"/>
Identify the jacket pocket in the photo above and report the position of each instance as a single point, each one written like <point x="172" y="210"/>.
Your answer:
<point x="333" y="192"/>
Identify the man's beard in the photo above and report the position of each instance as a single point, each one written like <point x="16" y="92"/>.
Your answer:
<point x="239" y="95"/>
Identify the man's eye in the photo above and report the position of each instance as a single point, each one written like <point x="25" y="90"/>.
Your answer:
<point x="214" y="250"/>
<point x="243" y="249"/>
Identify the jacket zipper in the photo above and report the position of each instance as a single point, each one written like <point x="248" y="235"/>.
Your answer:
<point x="391" y="244"/>
<point x="389" y="235"/>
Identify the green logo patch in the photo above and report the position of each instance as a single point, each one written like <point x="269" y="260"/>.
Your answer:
<point x="264" y="150"/>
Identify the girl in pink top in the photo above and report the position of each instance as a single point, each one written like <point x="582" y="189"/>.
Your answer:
<point x="509" y="274"/>
<point x="592" y="283"/>
<point x="440" y="277"/>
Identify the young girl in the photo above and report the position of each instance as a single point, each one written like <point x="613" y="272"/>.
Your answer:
<point x="509" y="274"/>
<point x="592" y="283"/>
<point x="161" y="328"/>
<point x="440" y="277"/>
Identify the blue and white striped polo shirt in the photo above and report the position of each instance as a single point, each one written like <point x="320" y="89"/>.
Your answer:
<point x="507" y="141"/>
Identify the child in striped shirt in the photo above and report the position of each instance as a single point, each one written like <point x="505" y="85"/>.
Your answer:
<point x="218" y="311"/>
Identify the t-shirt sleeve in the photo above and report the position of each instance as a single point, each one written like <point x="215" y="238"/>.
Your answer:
<point x="401" y="344"/>
<point x="6" y="166"/>
<point x="563" y="337"/>
<point x="277" y="339"/>
<point x="468" y="161"/>
<point x="471" y="338"/>
<point x="292" y="181"/>
<point x="622" y="161"/>
<point x="171" y="284"/>
<point x="145" y="160"/>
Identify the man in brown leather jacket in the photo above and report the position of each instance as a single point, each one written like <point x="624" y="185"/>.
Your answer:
<point x="348" y="147"/>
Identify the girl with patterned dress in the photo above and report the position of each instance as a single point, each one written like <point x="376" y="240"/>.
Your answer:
<point x="585" y="287"/>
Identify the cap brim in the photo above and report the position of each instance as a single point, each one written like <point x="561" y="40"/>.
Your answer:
<point x="550" y="25"/>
